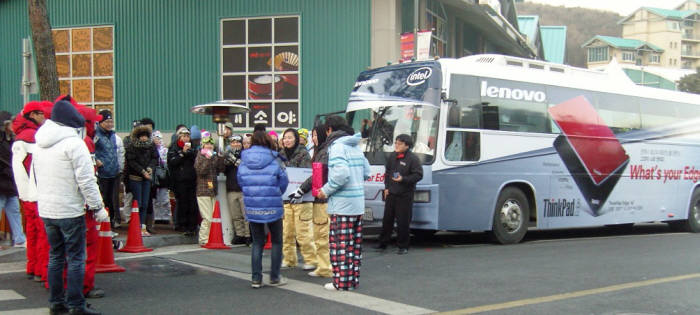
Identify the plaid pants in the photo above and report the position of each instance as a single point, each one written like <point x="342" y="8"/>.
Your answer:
<point x="345" y="242"/>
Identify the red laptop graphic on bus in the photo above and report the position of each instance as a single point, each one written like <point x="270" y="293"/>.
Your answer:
<point x="594" y="156"/>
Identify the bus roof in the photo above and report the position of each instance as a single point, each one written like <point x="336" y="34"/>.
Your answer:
<point x="537" y="71"/>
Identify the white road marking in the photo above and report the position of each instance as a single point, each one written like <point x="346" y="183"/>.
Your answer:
<point x="27" y="311"/>
<point x="346" y="297"/>
<point x="9" y="295"/>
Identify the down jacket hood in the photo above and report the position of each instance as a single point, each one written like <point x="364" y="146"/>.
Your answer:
<point x="24" y="129"/>
<point x="258" y="157"/>
<point x="51" y="133"/>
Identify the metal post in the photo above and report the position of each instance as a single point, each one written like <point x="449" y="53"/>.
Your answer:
<point x="26" y="68"/>
<point x="416" y="22"/>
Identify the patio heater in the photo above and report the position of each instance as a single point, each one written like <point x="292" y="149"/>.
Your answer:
<point x="221" y="112"/>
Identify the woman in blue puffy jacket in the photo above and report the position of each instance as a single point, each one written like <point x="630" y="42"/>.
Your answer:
<point x="263" y="179"/>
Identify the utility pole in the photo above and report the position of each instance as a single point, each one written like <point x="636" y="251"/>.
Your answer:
<point x="42" y="39"/>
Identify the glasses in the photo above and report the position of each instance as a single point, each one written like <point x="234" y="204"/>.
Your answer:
<point x="208" y="140"/>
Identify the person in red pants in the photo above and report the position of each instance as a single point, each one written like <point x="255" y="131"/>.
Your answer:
<point x="25" y="126"/>
<point x="91" y="233"/>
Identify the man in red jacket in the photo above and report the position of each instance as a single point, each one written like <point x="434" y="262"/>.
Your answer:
<point x="25" y="126"/>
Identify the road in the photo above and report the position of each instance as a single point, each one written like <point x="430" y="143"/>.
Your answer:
<point x="645" y="270"/>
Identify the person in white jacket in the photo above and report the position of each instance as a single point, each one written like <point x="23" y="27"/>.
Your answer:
<point x="66" y="177"/>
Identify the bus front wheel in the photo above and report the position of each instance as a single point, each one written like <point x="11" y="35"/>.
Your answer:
<point x="510" y="217"/>
<point x="693" y="222"/>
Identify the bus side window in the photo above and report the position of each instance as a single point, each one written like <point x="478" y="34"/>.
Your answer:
<point x="462" y="146"/>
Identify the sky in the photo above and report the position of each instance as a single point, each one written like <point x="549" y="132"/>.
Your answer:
<point x="622" y="7"/>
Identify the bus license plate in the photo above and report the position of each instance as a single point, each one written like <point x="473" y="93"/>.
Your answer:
<point x="368" y="215"/>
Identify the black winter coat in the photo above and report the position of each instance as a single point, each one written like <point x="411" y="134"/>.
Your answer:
<point x="7" y="180"/>
<point x="140" y="155"/>
<point x="410" y="169"/>
<point x="181" y="165"/>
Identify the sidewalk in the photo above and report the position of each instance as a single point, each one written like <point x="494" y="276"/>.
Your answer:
<point x="165" y="236"/>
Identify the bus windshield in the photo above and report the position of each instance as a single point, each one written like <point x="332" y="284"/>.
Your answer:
<point x="380" y="126"/>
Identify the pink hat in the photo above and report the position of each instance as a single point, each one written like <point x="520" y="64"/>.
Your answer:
<point x="273" y="133"/>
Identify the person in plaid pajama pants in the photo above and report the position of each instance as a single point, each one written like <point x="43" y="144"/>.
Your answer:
<point x="347" y="170"/>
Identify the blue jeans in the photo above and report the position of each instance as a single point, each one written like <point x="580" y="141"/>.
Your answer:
<point x="11" y="206"/>
<point x="67" y="241"/>
<point x="257" y="231"/>
<point x="142" y="193"/>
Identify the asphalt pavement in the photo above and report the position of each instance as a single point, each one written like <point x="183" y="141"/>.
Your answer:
<point x="644" y="270"/>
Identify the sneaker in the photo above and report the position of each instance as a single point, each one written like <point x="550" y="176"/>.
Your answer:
<point x="37" y="278"/>
<point x="30" y="276"/>
<point x="84" y="310"/>
<point x="248" y="241"/>
<point x="23" y="245"/>
<point x="402" y="251"/>
<point x="330" y="287"/>
<point x="313" y="274"/>
<point x="256" y="284"/>
<point x="59" y="308"/>
<point x="278" y="283"/>
<point x="95" y="293"/>
<point x="308" y="267"/>
<point x="238" y="240"/>
<point x="285" y="265"/>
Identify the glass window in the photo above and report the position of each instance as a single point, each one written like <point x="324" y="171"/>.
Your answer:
<point x="620" y="113"/>
<point x="654" y="59"/>
<point x="261" y="68"/>
<point x="462" y="146"/>
<point x="597" y="54"/>
<point x="627" y="56"/>
<point x="85" y="64"/>
<point x="436" y="18"/>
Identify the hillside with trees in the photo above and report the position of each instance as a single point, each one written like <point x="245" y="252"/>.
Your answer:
<point x="581" y="25"/>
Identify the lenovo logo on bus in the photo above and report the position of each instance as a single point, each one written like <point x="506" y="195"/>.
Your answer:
<point x="513" y="94"/>
<point x="419" y="76"/>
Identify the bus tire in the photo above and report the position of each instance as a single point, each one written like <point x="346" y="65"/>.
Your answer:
<point x="511" y="216"/>
<point x="692" y="224"/>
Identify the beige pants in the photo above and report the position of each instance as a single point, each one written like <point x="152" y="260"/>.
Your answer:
<point x="235" y="210"/>
<point x="321" y="229"/>
<point x="206" y="210"/>
<point x="297" y="228"/>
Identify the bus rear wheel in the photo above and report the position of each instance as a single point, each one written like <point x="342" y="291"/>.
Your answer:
<point x="510" y="217"/>
<point x="692" y="224"/>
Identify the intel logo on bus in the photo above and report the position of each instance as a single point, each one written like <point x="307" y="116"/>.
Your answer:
<point x="419" y="76"/>
<point x="513" y="94"/>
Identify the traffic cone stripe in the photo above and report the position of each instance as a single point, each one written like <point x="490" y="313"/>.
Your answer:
<point x="105" y="254"/>
<point x="216" y="234"/>
<point x="134" y="243"/>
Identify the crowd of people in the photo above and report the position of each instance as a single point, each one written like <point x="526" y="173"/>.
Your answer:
<point x="72" y="154"/>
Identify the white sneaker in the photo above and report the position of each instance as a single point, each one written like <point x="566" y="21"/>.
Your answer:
<point x="23" y="245"/>
<point x="308" y="267"/>
<point x="330" y="287"/>
<point x="284" y="265"/>
<point x="313" y="274"/>
<point x="280" y="282"/>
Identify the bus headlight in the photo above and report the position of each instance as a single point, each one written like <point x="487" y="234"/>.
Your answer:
<point x="421" y="196"/>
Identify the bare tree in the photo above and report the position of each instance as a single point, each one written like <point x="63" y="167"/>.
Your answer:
<point x="42" y="39"/>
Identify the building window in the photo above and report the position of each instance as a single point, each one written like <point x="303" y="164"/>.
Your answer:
<point x="437" y="22"/>
<point x="688" y="23"/>
<point x="654" y="59"/>
<point x="627" y="56"/>
<point x="85" y="64"/>
<point x="596" y="54"/>
<point x="671" y="25"/>
<point x="260" y="67"/>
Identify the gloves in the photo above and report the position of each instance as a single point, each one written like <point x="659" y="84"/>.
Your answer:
<point x="296" y="197"/>
<point x="102" y="215"/>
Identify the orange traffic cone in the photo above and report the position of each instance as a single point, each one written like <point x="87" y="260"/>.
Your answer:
<point x="134" y="243"/>
<point x="268" y="245"/>
<point x="105" y="256"/>
<point x="216" y="234"/>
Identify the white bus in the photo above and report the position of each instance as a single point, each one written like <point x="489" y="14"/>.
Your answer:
<point x="509" y="143"/>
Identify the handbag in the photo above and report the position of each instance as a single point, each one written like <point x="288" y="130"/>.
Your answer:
<point x="162" y="177"/>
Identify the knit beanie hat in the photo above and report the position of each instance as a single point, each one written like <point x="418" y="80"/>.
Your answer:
<point x="65" y="114"/>
<point x="195" y="133"/>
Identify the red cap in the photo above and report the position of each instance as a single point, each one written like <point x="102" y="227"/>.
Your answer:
<point x="48" y="106"/>
<point x="33" y="106"/>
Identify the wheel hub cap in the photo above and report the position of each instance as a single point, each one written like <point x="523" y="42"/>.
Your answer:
<point x="511" y="216"/>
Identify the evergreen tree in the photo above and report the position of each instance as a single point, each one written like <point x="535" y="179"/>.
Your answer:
<point x="690" y="83"/>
